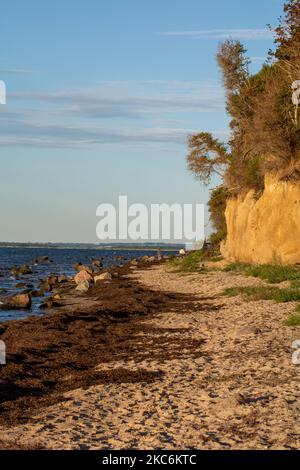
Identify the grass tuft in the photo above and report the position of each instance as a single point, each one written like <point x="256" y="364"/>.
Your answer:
<point x="293" y="320"/>
<point x="272" y="273"/>
<point x="189" y="263"/>
<point x="265" y="293"/>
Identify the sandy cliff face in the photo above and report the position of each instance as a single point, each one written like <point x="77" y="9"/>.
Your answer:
<point x="267" y="229"/>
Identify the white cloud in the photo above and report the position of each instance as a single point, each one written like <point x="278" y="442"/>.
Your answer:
<point x="15" y="71"/>
<point x="143" y="112"/>
<point x="246" y="34"/>
<point x="258" y="60"/>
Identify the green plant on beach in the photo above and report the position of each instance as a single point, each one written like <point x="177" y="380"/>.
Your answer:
<point x="216" y="259"/>
<point x="189" y="263"/>
<point x="272" y="273"/>
<point x="293" y="320"/>
<point x="265" y="293"/>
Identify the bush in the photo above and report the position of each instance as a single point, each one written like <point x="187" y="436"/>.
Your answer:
<point x="189" y="263"/>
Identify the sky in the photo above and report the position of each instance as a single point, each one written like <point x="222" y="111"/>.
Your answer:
<point x="101" y="96"/>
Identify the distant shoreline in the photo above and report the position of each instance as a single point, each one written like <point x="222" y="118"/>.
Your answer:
<point x="77" y="246"/>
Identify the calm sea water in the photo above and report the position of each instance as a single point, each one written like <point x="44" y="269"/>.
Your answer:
<point x="62" y="261"/>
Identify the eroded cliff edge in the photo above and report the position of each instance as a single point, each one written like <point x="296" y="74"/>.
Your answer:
<point x="265" y="229"/>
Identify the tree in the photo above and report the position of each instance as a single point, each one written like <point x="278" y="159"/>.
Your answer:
<point x="233" y="64"/>
<point x="206" y="156"/>
<point x="216" y="207"/>
<point x="265" y="131"/>
<point x="287" y="36"/>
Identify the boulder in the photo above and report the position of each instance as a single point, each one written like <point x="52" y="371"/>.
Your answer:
<point x="103" y="277"/>
<point x="61" y="279"/>
<point x="52" y="280"/>
<point x="50" y="302"/>
<point x="21" y="284"/>
<point x="182" y="252"/>
<point x="97" y="263"/>
<point x="41" y="260"/>
<point x="22" y="301"/>
<point x="21" y="270"/>
<point x="76" y="266"/>
<point x="87" y="269"/>
<point x="83" y="286"/>
<point x="83" y="276"/>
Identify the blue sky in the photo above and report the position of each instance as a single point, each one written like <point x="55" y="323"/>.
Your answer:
<point x="100" y="98"/>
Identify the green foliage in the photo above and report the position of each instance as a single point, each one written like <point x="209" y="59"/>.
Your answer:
<point x="236" y="267"/>
<point x="189" y="263"/>
<point x="293" y="320"/>
<point x="265" y="127"/>
<point x="216" y="259"/>
<point x="234" y="65"/>
<point x="206" y="156"/>
<point x="265" y="293"/>
<point x="217" y="237"/>
<point x="272" y="273"/>
<point x="217" y="206"/>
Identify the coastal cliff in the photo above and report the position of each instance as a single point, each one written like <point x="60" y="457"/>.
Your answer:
<point x="267" y="229"/>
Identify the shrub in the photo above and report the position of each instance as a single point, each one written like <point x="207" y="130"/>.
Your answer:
<point x="189" y="263"/>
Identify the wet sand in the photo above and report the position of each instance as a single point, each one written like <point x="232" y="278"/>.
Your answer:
<point x="153" y="359"/>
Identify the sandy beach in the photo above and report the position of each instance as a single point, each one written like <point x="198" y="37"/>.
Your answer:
<point x="185" y="367"/>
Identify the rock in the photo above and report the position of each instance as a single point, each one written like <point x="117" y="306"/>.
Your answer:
<point x="134" y="262"/>
<point x="50" y="302"/>
<point x="45" y="287"/>
<point x="151" y="259"/>
<point x="87" y="269"/>
<point x="103" y="277"/>
<point x="22" y="301"/>
<point x="97" y="263"/>
<point x="41" y="260"/>
<point x="37" y="293"/>
<point x="83" y="276"/>
<point x="21" y="270"/>
<point x="76" y="266"/>
<point x="52" y="280"/>
<point x="182" y="252"/>
<point x="21" y="284"/>
<point x="246" y="331"/>
<point x="62" y="279"/>
<point x="83" y="286"/>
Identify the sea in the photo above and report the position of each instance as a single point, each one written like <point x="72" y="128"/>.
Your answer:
<point x="61" y="261"/>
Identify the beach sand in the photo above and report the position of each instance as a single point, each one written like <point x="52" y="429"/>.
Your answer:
<point x="198" y="370"/>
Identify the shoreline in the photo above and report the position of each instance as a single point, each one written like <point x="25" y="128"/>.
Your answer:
<point x="166" y="361"/>
<point x="66" y="339"/>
